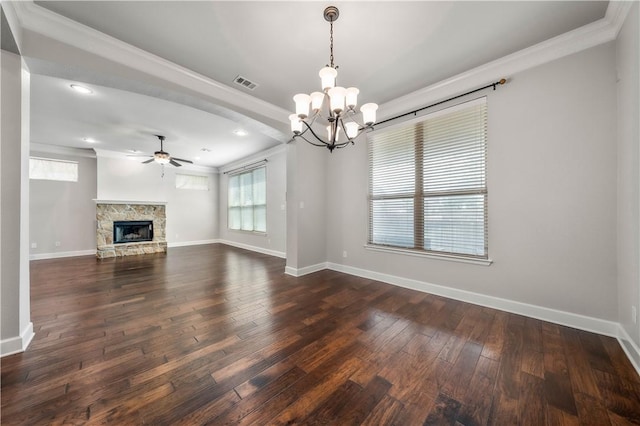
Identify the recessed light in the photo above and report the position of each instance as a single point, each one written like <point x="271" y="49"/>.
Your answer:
<point x="81" y="89"/>
<point x="89" y="140"/>
<point x="240" y="132"/>
<point x="205" y="150"/>
<point x="135" y="151"/>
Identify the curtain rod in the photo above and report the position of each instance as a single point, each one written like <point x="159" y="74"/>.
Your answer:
<point x="415" y="112"/>
<point x="246" y="166"/>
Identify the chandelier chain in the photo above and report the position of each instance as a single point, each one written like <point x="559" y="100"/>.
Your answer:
<point x="331" y="44"/>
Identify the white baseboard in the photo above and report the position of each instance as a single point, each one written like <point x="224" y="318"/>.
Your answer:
<point x="192" y="243"/>
<point x="298" y="272"/>
<point x="582" y="322"/>
<point x="629" y="347"/>
<point x="257" y="249"/>
<point x="14" y="345"/>
<point x="56" y="255"/>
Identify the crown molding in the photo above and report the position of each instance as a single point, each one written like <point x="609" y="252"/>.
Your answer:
<point x="42" y="21"/>
<point x="14" y="22"/>
<point x="617" y="12"/>
<point x="62" y="150"/>
<point x="254" y="157"/>
<point x="596" y="33"/>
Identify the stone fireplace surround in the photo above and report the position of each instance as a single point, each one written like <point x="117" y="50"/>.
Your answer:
<point x="108" y="211"/>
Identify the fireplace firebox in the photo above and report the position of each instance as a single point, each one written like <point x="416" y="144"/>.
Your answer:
<point x="132" y="231"/>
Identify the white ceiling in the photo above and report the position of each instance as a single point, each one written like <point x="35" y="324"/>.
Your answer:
<point x="387" y="49"/>
<point x="123" y="121"/>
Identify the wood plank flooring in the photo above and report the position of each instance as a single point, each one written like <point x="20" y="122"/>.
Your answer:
<point x="217" y="335"/>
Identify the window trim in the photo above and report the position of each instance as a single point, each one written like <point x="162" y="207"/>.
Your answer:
<point x="419" y="194"/>
<point x="430" y="254"/>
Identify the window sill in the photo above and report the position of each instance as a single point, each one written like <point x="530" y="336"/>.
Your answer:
<point x="258" y="233"/>
<point x="447" y="257"/>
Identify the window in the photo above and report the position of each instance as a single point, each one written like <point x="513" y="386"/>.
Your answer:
<point x="50" y="169"/>
<point x="200" y="183"/>
<point x="248" y="200"/>
<point x="427" y="183"/>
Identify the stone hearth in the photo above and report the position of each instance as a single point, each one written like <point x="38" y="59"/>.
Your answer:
<point x="108" y="211"/>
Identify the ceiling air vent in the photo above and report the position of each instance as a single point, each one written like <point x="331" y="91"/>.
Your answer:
<point x="247" y="84"/>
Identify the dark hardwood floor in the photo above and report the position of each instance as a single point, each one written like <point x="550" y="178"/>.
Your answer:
<point x="218" y="335"/>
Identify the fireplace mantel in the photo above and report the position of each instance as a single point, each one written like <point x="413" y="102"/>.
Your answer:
<point x="135" y="202"/>
<point x="110" y="211"/>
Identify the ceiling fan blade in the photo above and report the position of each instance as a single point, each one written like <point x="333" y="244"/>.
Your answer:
<point x="173" y="163"/>
<point x="148" y="161"/>
<point x="180" y="159"/>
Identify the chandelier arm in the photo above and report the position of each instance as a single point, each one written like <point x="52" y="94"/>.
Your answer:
<point x="344" y="130"/>
<point x="313" y="119"/>
<point x="323" y="145"/>
<point x="343" y="144"/>
<point x="313" y="133"/>
<point x="361" y="126"/>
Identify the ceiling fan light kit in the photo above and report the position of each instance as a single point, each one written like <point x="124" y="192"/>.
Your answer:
<point x="162" y="157"/>
<point x="335" y="104"/>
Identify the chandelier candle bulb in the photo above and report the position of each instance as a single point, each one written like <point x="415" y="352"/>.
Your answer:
<point x="369" y="113"/>
<point x="328" y="76"/>
<point x="352" y="97"/>
<point x="351" y="128"/>
<point x="296" y="124"/>
<point x="302" y="105"/>
<point x="336" y="99"/>
<point x="316" y="100"/>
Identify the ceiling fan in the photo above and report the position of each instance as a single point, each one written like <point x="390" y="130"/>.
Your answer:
<point x="163" y="157"/>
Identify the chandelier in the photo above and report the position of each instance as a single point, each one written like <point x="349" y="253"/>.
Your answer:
<point x="335" y="105"/>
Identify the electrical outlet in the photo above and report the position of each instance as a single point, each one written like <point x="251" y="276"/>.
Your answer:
<point x="34" y="245"/>
<point x="344" y="253"/>
<point x="634" y="314"/>
<point x="302" y="204"/>
<point x="57" y="243"/>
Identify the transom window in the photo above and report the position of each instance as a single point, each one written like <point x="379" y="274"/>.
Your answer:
<point x="248" y="200"/>
<point x="51" y="169"/>
<point x="199" y="183"/>
<point x="427" y="183"/>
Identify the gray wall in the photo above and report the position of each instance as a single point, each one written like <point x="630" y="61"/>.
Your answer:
<point x="16" y="329"/>
<point x="628" y="172"/>
<point x="64" y="212"/>
<point x="192" y="215"/>
<point x="552" y="194"/>
<point x="275" y="239"/>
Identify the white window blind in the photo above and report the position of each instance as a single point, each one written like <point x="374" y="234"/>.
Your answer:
<point x="50" y="169"/>
<point x="200" y="183"/>
<point x="427" y="182"/>
<point x="248" y="200"/>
